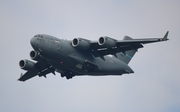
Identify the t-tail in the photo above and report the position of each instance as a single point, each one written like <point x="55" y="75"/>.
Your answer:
<point x="127" y="55"/>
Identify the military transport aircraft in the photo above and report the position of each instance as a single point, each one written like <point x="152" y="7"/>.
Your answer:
<point x="107" y="56"/>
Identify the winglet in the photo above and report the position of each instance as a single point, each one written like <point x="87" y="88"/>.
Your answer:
<point x="165" y="36"/>
<point x="20" y="77"/>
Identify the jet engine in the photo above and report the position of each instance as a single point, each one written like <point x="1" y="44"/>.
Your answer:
<point x="34" y="55"/>
<point x="81" y="43"/>
<point x="26" y="65"/>
<point x="107" y="42"/>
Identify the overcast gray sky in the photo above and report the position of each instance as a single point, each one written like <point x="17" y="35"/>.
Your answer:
<point x="154" y="87"/>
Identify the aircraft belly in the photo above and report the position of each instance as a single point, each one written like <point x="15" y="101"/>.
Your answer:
<point x="84" y="63"/>
<point x="112" y="69"/>
<point x="113" y="66"/>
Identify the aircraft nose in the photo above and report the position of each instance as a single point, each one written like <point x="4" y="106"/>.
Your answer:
<point x="33" y="42"/>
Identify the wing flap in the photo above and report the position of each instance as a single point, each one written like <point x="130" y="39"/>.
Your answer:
<point x="46" y="71"/>
<point x="113" y="51"/>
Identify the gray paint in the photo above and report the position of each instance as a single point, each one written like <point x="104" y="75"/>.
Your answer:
<point x="74" y="58"/>
<point x="153" y="87"/>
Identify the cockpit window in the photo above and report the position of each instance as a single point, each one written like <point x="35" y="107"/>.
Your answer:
<point x="36" y="36"/>
<point x="39" y="36"/>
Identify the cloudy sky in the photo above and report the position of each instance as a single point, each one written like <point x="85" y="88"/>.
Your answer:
<point x="155" y="85"/>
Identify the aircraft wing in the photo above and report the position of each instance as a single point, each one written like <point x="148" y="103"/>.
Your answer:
<point x="42" y="68"/>
<point x="124" y="45"/>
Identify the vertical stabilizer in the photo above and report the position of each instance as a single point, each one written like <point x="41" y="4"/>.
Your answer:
<point x="127" y="55"/>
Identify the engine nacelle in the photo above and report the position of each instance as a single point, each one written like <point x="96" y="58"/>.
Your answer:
<point x="81" y="43"/>
<point x="26" y="65"/>
<point x="107" y="42"/>
<point x="34" y="55"/>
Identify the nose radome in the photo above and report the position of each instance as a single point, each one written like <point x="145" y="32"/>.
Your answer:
<point x="33" y="42"/>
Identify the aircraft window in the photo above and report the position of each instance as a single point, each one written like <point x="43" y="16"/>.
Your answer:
<point x="36" y="36"/>
<point x="39" y="36"/>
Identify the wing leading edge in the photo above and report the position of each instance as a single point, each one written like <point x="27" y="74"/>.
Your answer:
<point x="42" y="68"/>
<point x="143" y="41"/>
<point x="124" y="45"/>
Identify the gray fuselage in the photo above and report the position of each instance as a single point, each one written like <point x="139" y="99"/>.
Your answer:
<point x="64" y="57"/>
